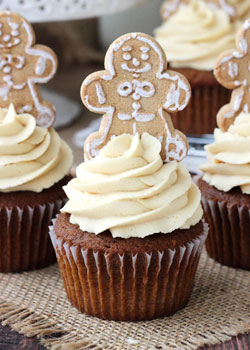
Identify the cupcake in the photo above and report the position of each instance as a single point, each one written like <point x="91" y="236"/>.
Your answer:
<point x="225" y="185"/>
<point x="129" y="239"/>
<point x="194" y="35"/>
<point x="34" y="161"/>
<point x="34" y="165"/>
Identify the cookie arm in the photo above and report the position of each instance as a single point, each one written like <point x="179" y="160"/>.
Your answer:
<point x="93" y="93"/>
<point x="227" y="71"/>
<point x="178" y="91"/>
<point x="46" y="63"/>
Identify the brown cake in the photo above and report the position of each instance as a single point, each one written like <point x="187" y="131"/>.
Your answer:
<point x="228" y="217"/>
<point x="208" y="96"/>
<point x="25" y="218"/>
<point x="127" y="279"/>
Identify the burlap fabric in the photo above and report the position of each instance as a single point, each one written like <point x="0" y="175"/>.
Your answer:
<point x="34" y="303"/>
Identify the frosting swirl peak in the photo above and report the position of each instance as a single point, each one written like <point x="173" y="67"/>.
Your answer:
<point x="229" y="157"/>
<point x="128" y="190"/>
<point x="195" y="35"/>
<point x="31" y="158"/>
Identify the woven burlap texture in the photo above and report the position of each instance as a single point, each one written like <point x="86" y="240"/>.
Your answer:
<point x="34" y="303"/>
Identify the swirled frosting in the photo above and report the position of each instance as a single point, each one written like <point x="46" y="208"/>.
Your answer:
<point x="229" y="157"/>
<point x="31" y="158"/>
<point x="195" y="35"/>
<point x="128" y="190"/>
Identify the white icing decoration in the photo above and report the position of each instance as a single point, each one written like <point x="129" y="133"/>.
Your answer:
<point x="20" y="64"/>
<point x="127" y="49"/>
<point x="135" y="75"/>
<point x="127" y="57"/>
<point x="145" y="69"/>
<point x="233" y="69"/>
<point x="6" y="38"/>
<point x="14" y="32"/>
<point x="144" y="49"/>
<point x="246" y="108"/>
<point x="40" y="66"/>
<point x="100" y="94"/>
<point x="237" y="83"/>
<point x="144" y="57"/>
<point x="124" y="116"/>
<point x="180" y="146"/>
<point x="45" y="112"/>
<point x="5" y="89"/>
<point x="25" y="108"/>
<point x="7" y="69"/>
<point x="135" y="61"/>
<point x="238" y="100"/>
<point x="125" y="89"/>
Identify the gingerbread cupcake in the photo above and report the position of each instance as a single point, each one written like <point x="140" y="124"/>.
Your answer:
<point x="194" y="33"/>
<point x="225" y="185"/>
<point x="129" y="239"/>
<point x="34" y="161"/>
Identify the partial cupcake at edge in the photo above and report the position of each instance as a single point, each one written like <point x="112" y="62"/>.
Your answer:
<point x="194" y="33"/>
<point x="129" y="239"/>
<point x="225" y="185"/>
<point x="34" y="161"/>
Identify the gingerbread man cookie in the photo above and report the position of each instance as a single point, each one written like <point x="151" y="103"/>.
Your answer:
<point x="23" y="65"/>
<point x="232" y="70"/>
<point x="135" y="92"/>
<point x="169" y="7"/>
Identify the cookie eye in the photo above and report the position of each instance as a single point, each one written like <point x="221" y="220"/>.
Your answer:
<point x="127" y="57"/>
<point x="144" y="56"/>
<point x="125" y="89"/>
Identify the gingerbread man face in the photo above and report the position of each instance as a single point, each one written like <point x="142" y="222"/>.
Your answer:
<point x="22" y="66"/>
<point x="169" y="7"/>
<point x="232" y="70"/>
<point x="135" y="92"/>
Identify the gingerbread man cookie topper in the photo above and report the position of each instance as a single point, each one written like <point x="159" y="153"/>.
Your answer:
<point x="23" y="65"/>
<point x="169" y="7"/>
<point x="232" y="70"/>
<point x="135" y="92"/>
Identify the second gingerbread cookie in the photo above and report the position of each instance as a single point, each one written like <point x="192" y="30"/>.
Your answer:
<point x="135" y="92"/>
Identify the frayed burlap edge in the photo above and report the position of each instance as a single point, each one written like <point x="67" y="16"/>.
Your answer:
<point x="52" y="337"/>
<point x="30" y="324"/>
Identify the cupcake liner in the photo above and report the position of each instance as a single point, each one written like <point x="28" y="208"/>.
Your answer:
<point x="128" y="287"/>
<point x="24" y="239"/>
<point x="228" y="240"/>
<point x="199" y="117"/>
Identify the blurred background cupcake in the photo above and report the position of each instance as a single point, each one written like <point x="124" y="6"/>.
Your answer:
<point x="34" y="165"/>
<point x="225" y="185"/>
<point x="194" y="33"/>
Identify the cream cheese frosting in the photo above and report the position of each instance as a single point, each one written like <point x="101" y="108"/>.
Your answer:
<point x="128" y="190"/>
<point x="195" y="35"/>
<point x="229" y="157"/>
<point x="32" y="158"/>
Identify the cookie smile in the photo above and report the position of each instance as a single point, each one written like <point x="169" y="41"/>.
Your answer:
<point x="145" y="69"/>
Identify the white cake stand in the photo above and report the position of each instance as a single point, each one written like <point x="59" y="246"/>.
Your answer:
<point x="37" y="11"/>
<point x="63" y="10"/>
